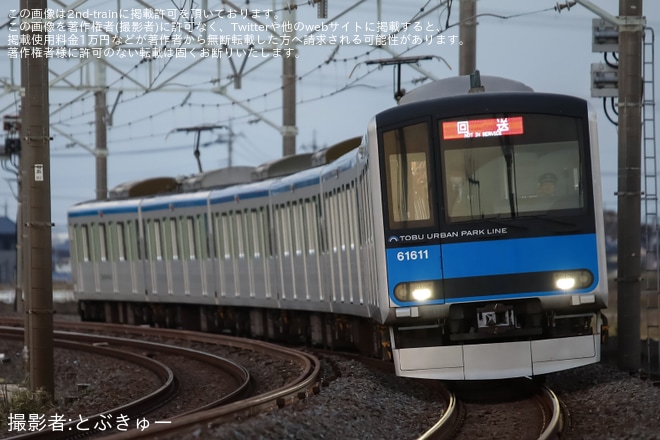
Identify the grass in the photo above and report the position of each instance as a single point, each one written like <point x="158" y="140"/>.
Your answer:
<point x="20" y="400"/>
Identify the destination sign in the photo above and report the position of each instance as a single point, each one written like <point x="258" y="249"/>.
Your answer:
<point x="482" y="128"/>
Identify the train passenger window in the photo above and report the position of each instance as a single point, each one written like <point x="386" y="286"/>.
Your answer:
<point x="103" y="243"/>
<point x="136" y="247"/>
<point x="408" y="176"/>
<point x="248" y="234"/>
<point x="224" y="236"/>
<point x="262" y="233"/>
<point x="158" y="243"/>
<point x="129" y="242"/>
<point x="219" y="241"/>
<point x="297" y="235"/>
<point x="311" y="220"/>
<point x="190" y="236"/>
<point x="84" y="243"/>
<point x="285" y="230"/>
<point x="353" y="223"/>
<point x="202" y="236"/>
<point x="174" y="238"/>
<point x="149" y="235"/>
<point x="534" y="170"/>
<point x="121" y="250"/>
<point x="256" y="234"/>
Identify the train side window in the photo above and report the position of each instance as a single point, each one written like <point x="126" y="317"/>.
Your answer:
<point x="202" y="237"/>
<point x="408" y="175"/>
<point x="84" y="243"/>
<point x="112" y="242"/>
<point x="225" y="235"/>
<point x="267" y="246"/>
<point x="353" y="223"/>
<point x="190" y="238"/>
<point x="158" y="240"/>
<point x="174" y="238"/>
<point x="128" y="242"/>
<point x="219" y="236"/>
<point x="121" y="252"/>
<point x="343" y="217"/>
<point x="103" y="251"/>
<point x="285" y="228"/>
<point x="311" y="225"/>
<point x="182" y="231"/>
<point x="239" y="236"/>
<point x="297" y="229"/>
<point x="149" y="235"/>
<point x="134" y="228"/>
<point x="335" y="229"/>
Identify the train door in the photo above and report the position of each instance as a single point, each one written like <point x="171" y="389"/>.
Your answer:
<point x="412" y="229"/>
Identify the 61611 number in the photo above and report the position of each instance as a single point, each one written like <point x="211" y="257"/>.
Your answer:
<point x="422" y="254"/>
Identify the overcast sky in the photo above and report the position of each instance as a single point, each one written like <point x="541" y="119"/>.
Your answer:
<point x="337" y="92"/>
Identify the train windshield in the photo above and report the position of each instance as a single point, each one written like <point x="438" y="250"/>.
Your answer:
<point x="408" y="173"/>
<point x="516" y="166"/>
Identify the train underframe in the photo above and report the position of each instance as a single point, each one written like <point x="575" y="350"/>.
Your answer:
<point x="294" y="327"/>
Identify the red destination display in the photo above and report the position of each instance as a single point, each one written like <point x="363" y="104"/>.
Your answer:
<point x="482" y="128"/>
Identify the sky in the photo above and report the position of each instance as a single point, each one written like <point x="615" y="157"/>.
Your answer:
<point x="338" y="91"/>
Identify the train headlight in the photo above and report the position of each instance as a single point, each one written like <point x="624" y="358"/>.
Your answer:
<point x="573" y="279"/>
<point x="422" y="293"/>
<point x="418" y="291"/>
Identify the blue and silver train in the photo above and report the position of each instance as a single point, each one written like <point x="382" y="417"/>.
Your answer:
<point x="461" y="237"/>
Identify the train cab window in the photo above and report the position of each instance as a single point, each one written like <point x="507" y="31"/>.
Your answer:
<point x="535" y="168"/>
<point x="408" y="176"/>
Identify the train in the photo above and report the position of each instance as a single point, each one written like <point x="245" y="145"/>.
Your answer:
<point x="461" y="238"/>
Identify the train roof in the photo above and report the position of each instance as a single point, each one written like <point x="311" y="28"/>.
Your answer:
<point x="218" y="178"/>
<point x="283" y="166"/>
<point x="460" y="85"/>
<point x="334" y="152"/>
<point x="145" y="187"/>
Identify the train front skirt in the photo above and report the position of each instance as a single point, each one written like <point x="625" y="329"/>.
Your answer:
<point x="497" y="360"/>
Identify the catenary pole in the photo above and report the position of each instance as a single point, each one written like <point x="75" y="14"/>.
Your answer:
<point x="101" y="150"/>
<point x="629" y="185"/>
<point x="35" y="186"/>
<point x="467" y="35"/>
<point x="289" y="54"/>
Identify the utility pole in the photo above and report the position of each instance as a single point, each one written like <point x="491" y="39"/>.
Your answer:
<point x="35" y="188"/>
<point x="101" y="150"/>
<point x="631" y="34"/>
<point x="289" y="53"/>
<point x="630" y="26"/>
<point x="467" y="35"/>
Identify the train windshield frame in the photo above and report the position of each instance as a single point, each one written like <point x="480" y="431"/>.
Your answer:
<point x="510" y="166"/>
<point x="485" y="166"/>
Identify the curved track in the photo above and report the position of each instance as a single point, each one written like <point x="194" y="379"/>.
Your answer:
<point x="136" y="408"/>
<point x="502" y="409"/>
<point x="212" y="414"/>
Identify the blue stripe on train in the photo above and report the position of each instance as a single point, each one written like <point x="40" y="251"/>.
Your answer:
<point x="492" y="257"/>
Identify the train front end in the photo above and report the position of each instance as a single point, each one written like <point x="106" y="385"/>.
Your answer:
<point x="492" y="235"/>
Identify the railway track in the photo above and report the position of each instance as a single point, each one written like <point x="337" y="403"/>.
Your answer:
<point x="236" y="379"/>
<point x="218" y="410"/>
<point x="517" y="408"/>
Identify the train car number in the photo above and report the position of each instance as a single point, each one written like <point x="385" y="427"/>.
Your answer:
<point x="422" y="254"/>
